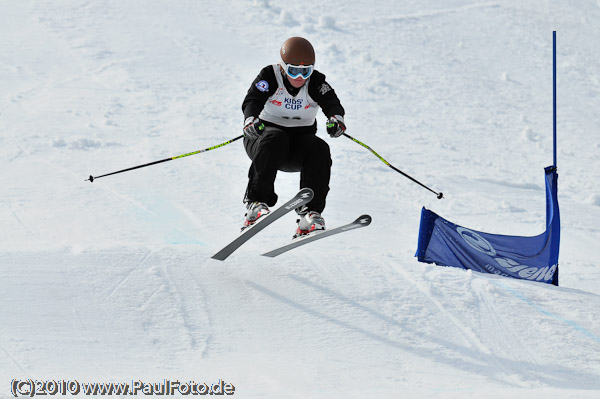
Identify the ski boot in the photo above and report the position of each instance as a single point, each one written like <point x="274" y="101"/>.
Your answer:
<point x="309" y="222"/>
<point x="256" y="210"/>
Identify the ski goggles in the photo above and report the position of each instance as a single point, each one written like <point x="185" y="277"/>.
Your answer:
<point x="296" y="71"/>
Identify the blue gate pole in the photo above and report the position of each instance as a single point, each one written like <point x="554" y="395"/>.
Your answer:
<point x="554" y="90"/>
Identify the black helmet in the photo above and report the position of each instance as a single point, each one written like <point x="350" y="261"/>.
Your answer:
<point x="297" y="51"/>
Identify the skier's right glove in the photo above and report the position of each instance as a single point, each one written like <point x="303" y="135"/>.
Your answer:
<point x="253" y="127"/>
<point x="335" y="125"/>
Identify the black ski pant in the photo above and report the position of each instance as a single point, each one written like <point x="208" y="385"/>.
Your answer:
<point x="295" y="149"/>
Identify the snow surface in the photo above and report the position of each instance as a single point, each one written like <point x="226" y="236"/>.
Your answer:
<point x="113" y="281"/>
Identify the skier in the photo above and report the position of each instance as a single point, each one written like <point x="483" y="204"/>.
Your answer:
<point x="280" y="129"/>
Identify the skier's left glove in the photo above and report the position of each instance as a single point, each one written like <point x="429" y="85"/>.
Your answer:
<point x="336" y="125"/>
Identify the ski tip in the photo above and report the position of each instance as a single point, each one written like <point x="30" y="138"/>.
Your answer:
<point x="306" y="192"/>
<point x="365" y="220"/>
<point x="218" y="256"/>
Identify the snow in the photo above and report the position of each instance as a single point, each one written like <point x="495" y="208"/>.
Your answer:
<point x="112" y="281"/>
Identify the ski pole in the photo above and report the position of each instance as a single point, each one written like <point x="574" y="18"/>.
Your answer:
<point x="92" y="178"/>
<point x="439" y="195"/>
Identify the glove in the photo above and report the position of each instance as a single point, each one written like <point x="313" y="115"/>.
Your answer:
<point x="253" y="127"/>
<point x="335" y="125"/>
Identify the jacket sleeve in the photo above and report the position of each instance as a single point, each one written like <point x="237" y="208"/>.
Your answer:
<point x="324" y="94"/>
<point x="262" y="88"/>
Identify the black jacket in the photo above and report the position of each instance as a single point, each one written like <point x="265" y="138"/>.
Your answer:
<point x="318" y="89"/>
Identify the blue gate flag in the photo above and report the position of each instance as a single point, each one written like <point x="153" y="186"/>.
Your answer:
<point x="530" y="258"/>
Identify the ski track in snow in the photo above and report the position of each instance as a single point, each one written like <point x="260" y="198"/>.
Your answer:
<point x="113" y="281"/>
<point x="128" y="275"/>
<point x="484" y="341"/>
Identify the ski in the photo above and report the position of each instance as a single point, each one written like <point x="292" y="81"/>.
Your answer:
<point x="303" y="197"/>
<point x="362" y="221"/>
